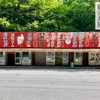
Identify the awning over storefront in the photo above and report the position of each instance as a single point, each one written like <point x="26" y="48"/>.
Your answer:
<point x="46" y="50"/>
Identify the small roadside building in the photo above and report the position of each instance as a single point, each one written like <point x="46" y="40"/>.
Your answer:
<point x="50" y="48"/>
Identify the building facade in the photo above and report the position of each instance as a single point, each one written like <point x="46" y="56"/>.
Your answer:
<point x="50" y="48"/>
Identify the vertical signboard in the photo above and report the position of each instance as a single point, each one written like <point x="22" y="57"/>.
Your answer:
<point x="75" y="40"/>
<point x="28" y="39"/>
<point x="1" y="39"/>
<point x="59" y="40"/>
<point x="39" y="43"/>
<point x="41" y="39"/>
<point x="34" y="41"/>
<point x="94" y="40"/>
<point x="12" y="39"/>
<point x="86" y="39"/>
<point x="80" y="39"/>
<point x="53" y="40"/>
<point x="5" y="39"/>
<point x="65" y="58"/>
<point x="67" y="40"/>
<point x="47" y="39"/>
<point x="50" y="58"/>
<point x="97" y="16"/>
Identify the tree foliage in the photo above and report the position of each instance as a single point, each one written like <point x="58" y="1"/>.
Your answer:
<point x="47" y="15"/>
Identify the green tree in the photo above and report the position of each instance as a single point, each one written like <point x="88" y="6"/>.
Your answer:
<point x="47" y="15"/>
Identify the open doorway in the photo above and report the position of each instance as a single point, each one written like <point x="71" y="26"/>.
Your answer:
<point x="85" y="59"/>
<point x="33" y="58"/>
<point x="11" y="59"/>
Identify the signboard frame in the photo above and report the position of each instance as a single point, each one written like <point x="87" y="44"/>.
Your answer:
<point x="97" y="15"/>
<point x="58" y="40"/>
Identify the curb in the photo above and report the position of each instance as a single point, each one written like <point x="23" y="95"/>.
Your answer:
<point x="49" y="67"/>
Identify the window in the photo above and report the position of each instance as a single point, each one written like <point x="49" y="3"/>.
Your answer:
<point x="25" y="55"/>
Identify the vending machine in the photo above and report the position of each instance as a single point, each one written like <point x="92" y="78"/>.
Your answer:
<point x="58" y="58"/>
<point x="18" y="58"/>
<point x="94" y="58"/>
<point x="97" y="62"/>
<point x="65" y="58"/>
<point x="78" y="58"/>
<point x="26" y="58"/>
<point x="50" y="58"/>
<point x="3" y="58"/>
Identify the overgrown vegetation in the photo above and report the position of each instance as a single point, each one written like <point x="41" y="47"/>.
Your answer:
<point x="47" y="15"/>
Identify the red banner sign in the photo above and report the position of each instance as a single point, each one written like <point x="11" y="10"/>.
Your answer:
<point x="50" y="39"/>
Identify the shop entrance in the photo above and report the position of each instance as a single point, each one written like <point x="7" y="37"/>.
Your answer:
<point x="85" y="59"/>
<point x="71" y="57"/>
<point x="33" y="58"/>
<point x="11" y="59"/>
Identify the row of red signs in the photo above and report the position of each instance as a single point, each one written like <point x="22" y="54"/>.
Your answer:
<point x="50" y="39"/>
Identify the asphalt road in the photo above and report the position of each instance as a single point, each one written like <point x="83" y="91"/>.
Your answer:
<point x="52" y="84"/>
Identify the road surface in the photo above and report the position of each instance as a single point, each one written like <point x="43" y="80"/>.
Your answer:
<point x="65" y="84"/>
